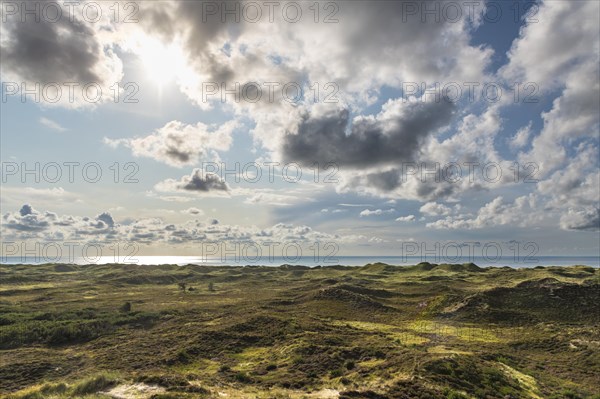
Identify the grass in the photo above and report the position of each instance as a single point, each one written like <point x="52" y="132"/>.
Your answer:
<point x="379" y="331"/>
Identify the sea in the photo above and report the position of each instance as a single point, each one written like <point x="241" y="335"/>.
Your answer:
<point x="530" y="262"/>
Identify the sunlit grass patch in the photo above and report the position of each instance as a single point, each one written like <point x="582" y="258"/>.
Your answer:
<point x="528" y="383"/>
<point x="395" y="333"/>
<point x="200" y="367"/>
<point x="463" y="332"/>
<point x="250" y="358"/>
<point x="95" y="384"/>
<point x="89" y="388"/>
<point x="39" y="391"/>
<point x="371" y="363"/>
<point x="443" y="350"/>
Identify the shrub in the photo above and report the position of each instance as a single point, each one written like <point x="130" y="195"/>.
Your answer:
<point x="451" y="394"/>
<point x="183" y="356"/>
<point x="224" y="368"/>
<point x="242" y="377"/>
<point x="570" y="394"/>
<point x="336" y="373"/>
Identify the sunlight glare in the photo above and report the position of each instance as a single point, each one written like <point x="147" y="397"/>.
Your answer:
<point x="163" y="63"/>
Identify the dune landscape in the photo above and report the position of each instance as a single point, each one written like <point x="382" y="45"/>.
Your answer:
<point x="373" y="332"/>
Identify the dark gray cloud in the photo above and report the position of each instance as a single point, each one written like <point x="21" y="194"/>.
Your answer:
<point x="583" y="220"/>
<point x="106" y="218"/>
<point x="27" y="220"/>
<point x="45" y="51"/>
<point x="199" y="181"/>
<point x="179" y="156"/>
<point x="26" y="210"/>
<point x="390" y="138"/>
<point x="389" y="181"/>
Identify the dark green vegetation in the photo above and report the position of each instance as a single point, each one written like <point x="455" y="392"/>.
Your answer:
<point x="373" y="332"/>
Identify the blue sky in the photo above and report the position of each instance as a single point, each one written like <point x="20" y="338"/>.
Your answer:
<point x="372" y="130"/>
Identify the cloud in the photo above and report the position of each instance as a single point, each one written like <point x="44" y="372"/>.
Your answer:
<point x="574" y="115"/>
<point x="567" y="199"/>
<point x="178" y="144"/>
<point x="569" y="45"/>
<point x="26" y="210"/>
<point x="572" y="68"/>
<point x="52" y="125"/>
<point x="391" y="137"/>
<point x="194" y="211"/>
<point x="521" y="138"/>
<point x="434" y="209"/>
<point x="209" y="182"/>
<point x="16" y="195"/>
<point x="376" y="212"/>
<point x="30" y="224"/>
<point x="409" y="218"/>
<point x="588" y="220"/>
<point x="379" y="48"/>
<point x="408" y="50"/>
<point x="523" y="212"/>
<point x="106" y="218"/>
<point x="269" y="197"/>
<point x="196" y="182"/>
<point x="47" y="52"/>
<point x="27" y="220"/>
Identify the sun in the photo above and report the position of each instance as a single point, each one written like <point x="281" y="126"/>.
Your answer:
<point x="162" y="63"/>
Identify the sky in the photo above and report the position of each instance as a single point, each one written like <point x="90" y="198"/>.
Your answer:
<point x="312" y="128"/>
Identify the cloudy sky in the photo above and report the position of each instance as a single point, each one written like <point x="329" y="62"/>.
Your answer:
<point x="363" y="124"/>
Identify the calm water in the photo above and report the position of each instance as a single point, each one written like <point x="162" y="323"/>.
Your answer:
<point x="593" y="261"/>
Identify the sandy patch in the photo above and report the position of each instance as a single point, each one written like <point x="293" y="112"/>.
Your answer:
<point x="326" y="394"/>
<point x="134" y="391"/>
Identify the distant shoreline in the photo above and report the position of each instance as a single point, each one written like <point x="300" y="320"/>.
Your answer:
<point x="300" y="266"/>
<point x="516" y="262"/>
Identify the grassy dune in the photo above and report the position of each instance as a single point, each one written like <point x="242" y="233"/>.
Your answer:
<point x="378" y="331"/>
